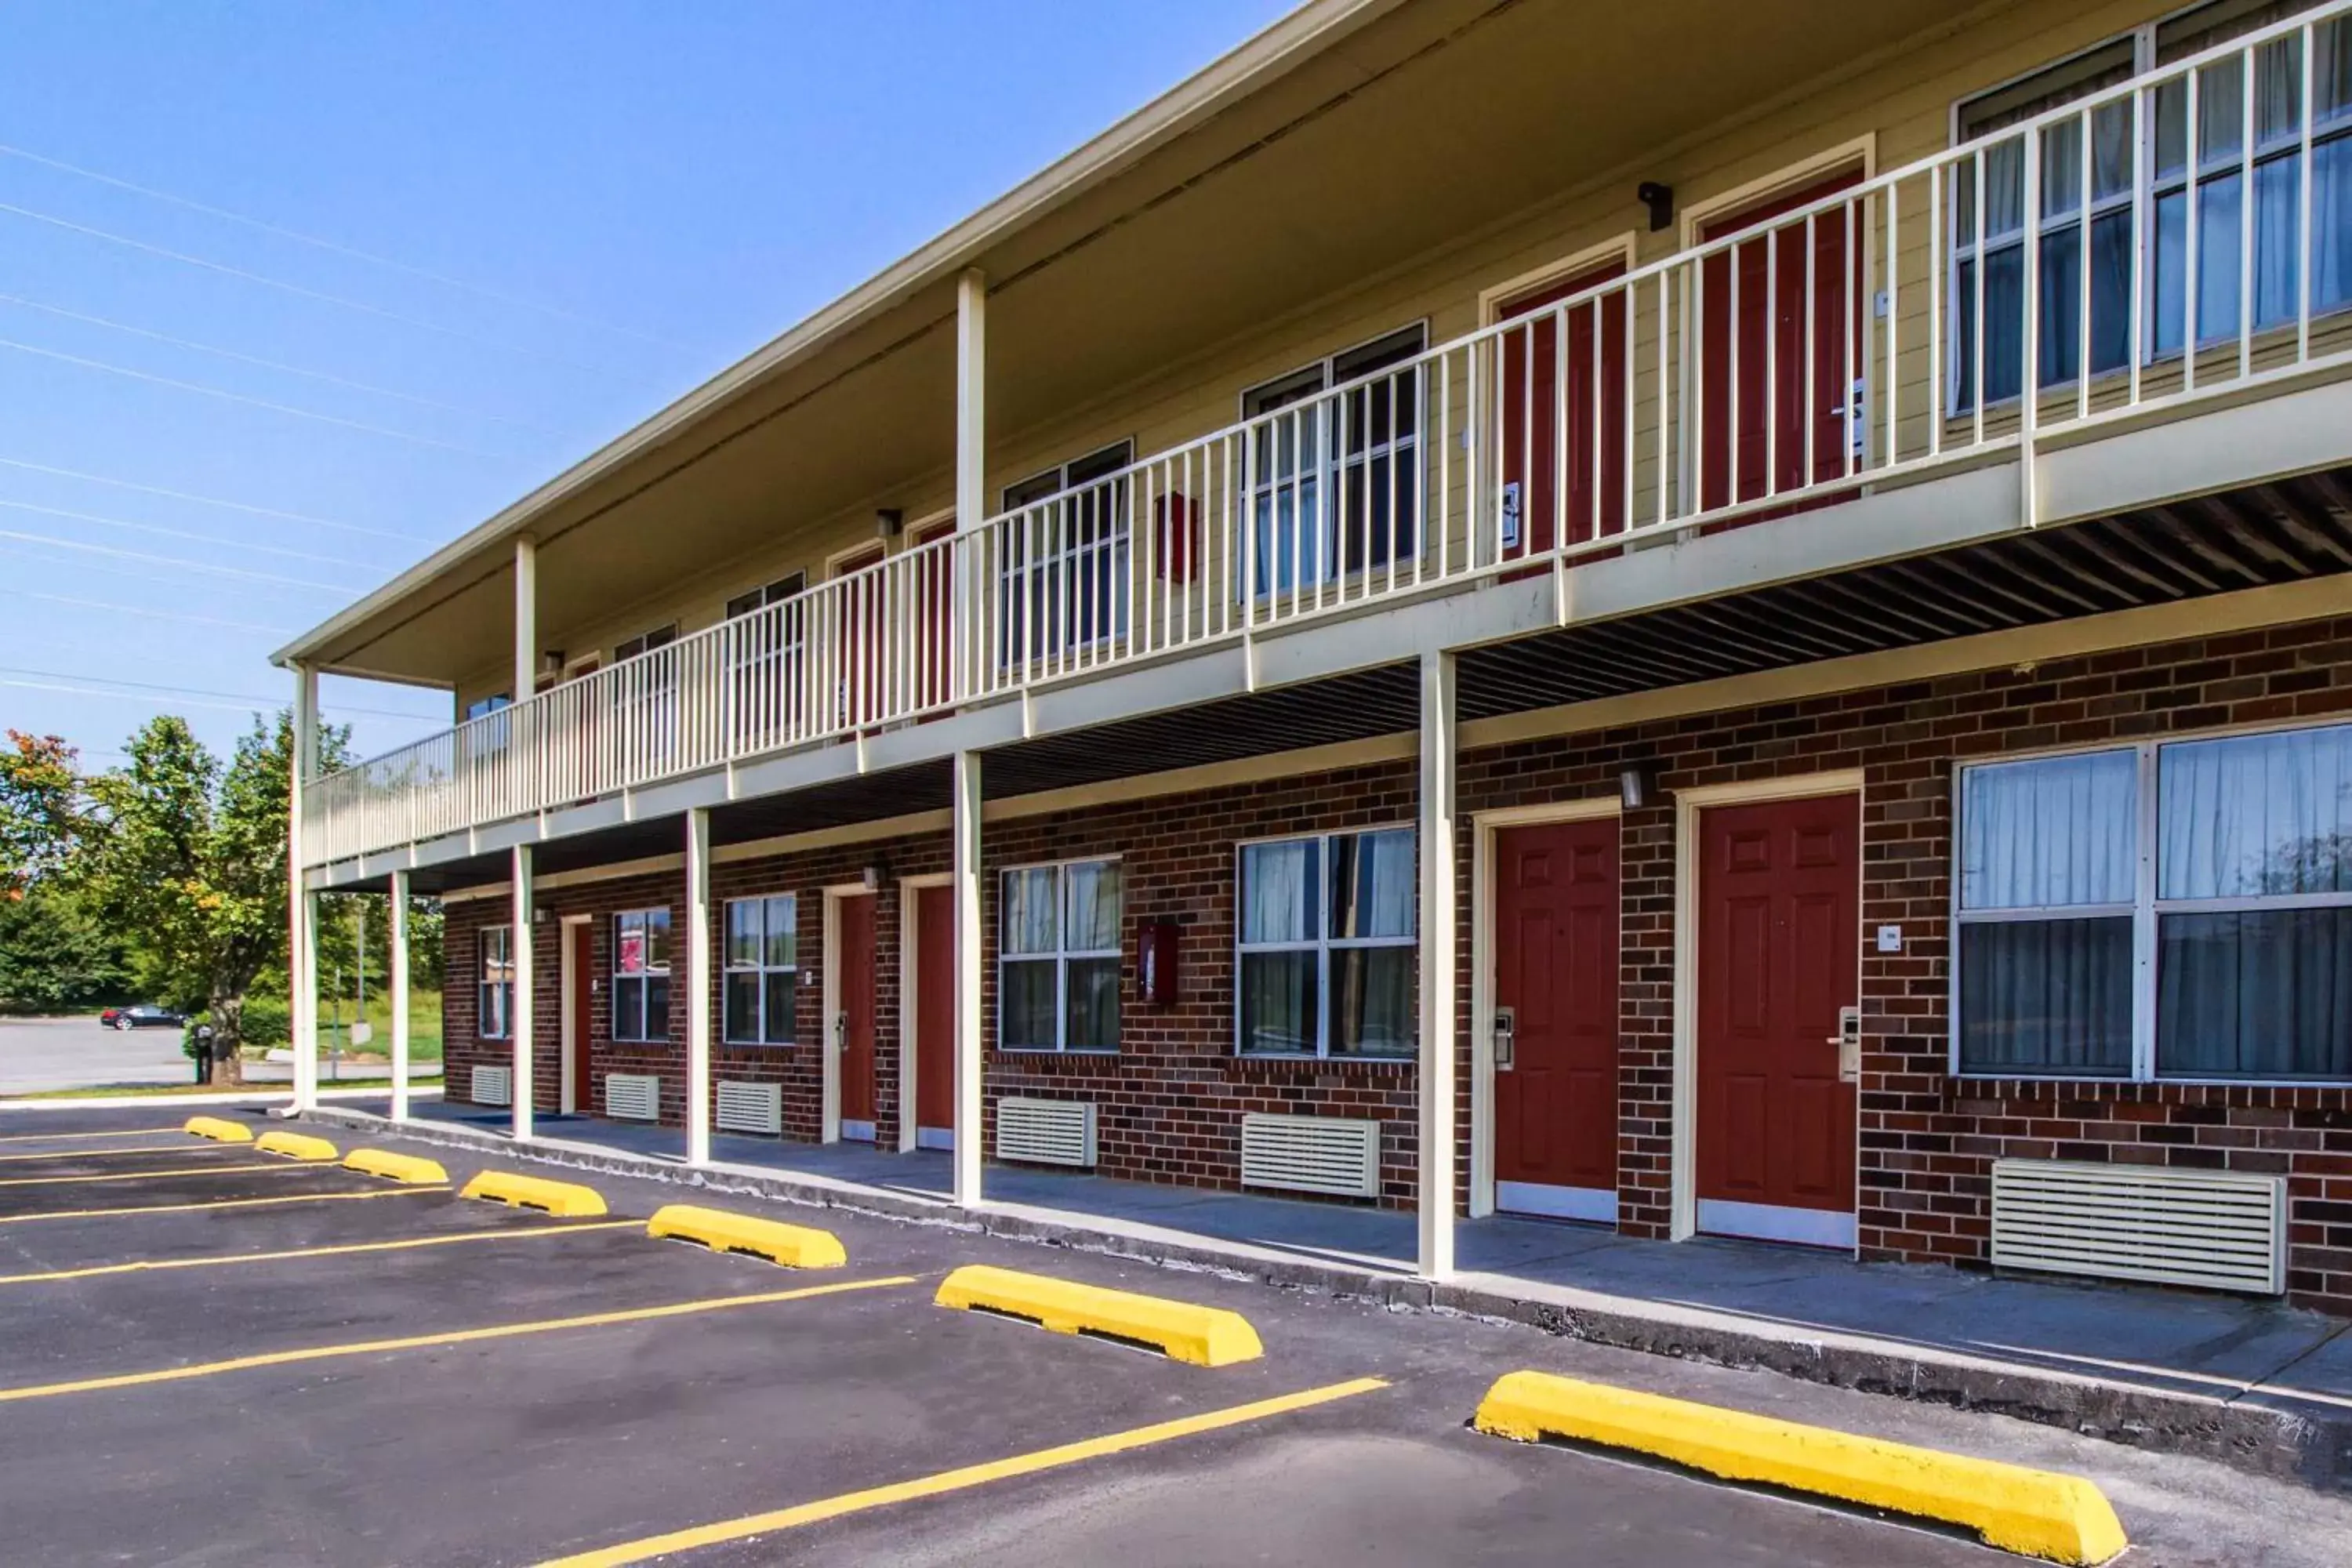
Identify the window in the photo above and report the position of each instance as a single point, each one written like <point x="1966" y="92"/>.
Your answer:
<point x="494" y="989"/>
<point x="775" y="593"/>
<point x="645" y="642"/>
<point x="1057" y="965"/>
<point x="1327" y="945"/>
<point x="483" y="706"/>
<point x="641" y="974"/>
<point x="1995" y="246"/>
<point x="762" y="970"/>
<point x="2177" y="909"/>
<point x="1064" y="572"/>
<point x="1335" y="484"/>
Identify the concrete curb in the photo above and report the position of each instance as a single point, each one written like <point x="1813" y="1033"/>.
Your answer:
<point x="2313" y="1446"/>
<point x="257" y="1096"/>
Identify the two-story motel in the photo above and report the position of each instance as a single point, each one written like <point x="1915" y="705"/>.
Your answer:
<point x="1716" y="619"/>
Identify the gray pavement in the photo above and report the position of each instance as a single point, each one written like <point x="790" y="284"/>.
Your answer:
<point x="38" y="1054"/>
<point x="522" y="1448"/>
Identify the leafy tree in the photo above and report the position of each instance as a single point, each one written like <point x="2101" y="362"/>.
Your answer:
<point x="41" y="808"/>
<point x="54" y="957"/>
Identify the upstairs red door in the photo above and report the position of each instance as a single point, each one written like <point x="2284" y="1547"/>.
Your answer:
<point x="857" y="679"/>
<point x="1761" y="402"/>
<point x="1556" y="959"/>
<point x="932" y="588"/>
<point x="1552" y="389"/>
<point x="1779" y="958"/>
<point x="854" y="1029"/>
<point x="935" y="1018"/>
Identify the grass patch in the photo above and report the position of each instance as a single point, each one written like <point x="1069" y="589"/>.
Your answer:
<point x="424" y="1025"/>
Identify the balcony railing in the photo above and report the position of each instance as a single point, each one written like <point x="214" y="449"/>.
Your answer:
<point x="1876" y="331"/>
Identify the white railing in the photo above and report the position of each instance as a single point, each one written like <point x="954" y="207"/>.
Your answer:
<point x="1827" y="346"/>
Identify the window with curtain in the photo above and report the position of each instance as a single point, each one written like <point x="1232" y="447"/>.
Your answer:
<point x="641" y="974"/>
<point x="1058" y="958"/>
<point x="1064" y="574"/>
<point x="761" y="971"/>
<point x="494" y="994"/>
<point x="1336" y="480"/>
<point x="2213" y="942"/>
<point x="1327" y="945"/>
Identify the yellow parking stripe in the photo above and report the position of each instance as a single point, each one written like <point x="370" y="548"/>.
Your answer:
<point x="431" y="1342"/>
<point x="97" y="1153"/>
<point x="960" y="1480"/>
<point x="149" y="1266"/>
<point x="61" y="1137"/>
<point x="222" y="1204"/>
<point x="278" y="1165"/>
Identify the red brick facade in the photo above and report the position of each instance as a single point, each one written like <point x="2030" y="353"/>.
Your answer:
<point x="1172" y="1098"/>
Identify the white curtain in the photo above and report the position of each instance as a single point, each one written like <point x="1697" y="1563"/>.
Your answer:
<point x="2050" y="831"/>
<point x="2255" y="814"/>
<point x="1372" y="886"/>
<point x="1029" y="910"/>
<point x="1278" y="884"/>
<point x="1094" y="889"/>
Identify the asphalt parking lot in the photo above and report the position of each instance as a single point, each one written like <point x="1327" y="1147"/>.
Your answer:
<point x="216" y="1356"/>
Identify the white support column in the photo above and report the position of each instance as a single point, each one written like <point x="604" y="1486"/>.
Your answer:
<point x="526" y="618"/>
<point x="301" y="907"/>
<point x="519" y="1024"/>
<point x="969" y="585"/>
<point x="1435" y="1195"/>
<point x="968" y="1053"/>
<point x="698" y="986"/>
<point x="398" y="964"/>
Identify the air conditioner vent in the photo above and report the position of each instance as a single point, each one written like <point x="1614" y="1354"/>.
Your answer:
<point x="493" y="1086"/>
<point x="2221" y="1230"/>
<point x="631" y="1096"/>
<point x="751" y="1106"/>
<point x="1312" y="1154"/>
<point x="1045" y="1131"/>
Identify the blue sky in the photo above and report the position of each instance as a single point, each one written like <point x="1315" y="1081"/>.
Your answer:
<point x="632" y="197"/>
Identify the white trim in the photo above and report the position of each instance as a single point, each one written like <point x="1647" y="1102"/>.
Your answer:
<point x="1688" y="804"/>
<point x="1063" y="952"/>
<point x="1620" y="247"/>
<point x="726" y="968"/>
<point x="1593" y="1206"/>
<point x="1805" y="171"/>
<point x="833" y="562"/>
<point x="1320" y="945"/>
<point x="829" y="1116"/>
<point x="1323" y="363"/>
<point x="911" y="941"/>
<point x="569" y="1102"/>
<point x="1483" y="825"/>
<point x="1770" y="1222"/>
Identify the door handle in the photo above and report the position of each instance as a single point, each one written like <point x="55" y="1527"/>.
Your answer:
<point x="841" y="1031"/>
<point x="1848" y="1040"/>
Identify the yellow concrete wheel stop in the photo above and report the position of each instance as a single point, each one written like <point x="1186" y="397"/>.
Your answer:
<point x="294" y="1146"/>
<point x="413" y="1169"/>
<point x="219" y="1128"/>
<point x="1205" y="1336"/>
<point x="2039" y="1513"/>
<point x="566" y="1200"/>
<point x="793" y="1245"/>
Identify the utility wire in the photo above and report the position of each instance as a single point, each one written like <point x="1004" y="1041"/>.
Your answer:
<point x="203" y="691"/>
<point x="253" y="402"/>
<point x="358" y="254"/>
<point x="133" y="575"/>
<point x="114" y="608"/>
<point x="163" y="532"/>
<point x="278" y="283"/>
<point x="54" y="542"/>
<point x="213" y="500"/>
<point x="331" y="380"/>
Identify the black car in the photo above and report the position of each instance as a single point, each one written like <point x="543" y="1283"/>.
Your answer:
<point x="144" y="1015"/>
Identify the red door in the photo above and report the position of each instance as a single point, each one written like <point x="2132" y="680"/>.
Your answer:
<point x="934" y="593"/>
<point x="1532" y="411"/>
<point x="858" y="638"/>
<point x="854" y="1029"/>
<point x="935" y="1018"/>
<point x="1779" y="958"/>
<point x="1556" y="959"/>
<point x="1777" y="406"/>
<point x="582" y="955"/>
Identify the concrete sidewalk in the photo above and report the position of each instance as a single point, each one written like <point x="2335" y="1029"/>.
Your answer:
<point x="2250" y="1383"/>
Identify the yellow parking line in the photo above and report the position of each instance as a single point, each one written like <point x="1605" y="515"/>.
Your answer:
<point x="180" y="1148"/>
<point x="224" y="1203"/>
<point x="428" y="1341"/>
<point x="960" y="1480"/>
<point x="61" y="1137"/>
<point x="280" y="1167"/>
<point x="405" y="1243"/>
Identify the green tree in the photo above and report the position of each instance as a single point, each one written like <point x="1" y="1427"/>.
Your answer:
<point x="41" y="808"/>
<point x="53" y="954"/>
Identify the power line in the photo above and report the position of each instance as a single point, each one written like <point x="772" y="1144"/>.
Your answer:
<point x="181" y="533"/>
<point x="297" y="289"/>
<point x="56" y="543"/>
<point x="271" y="363"/>
<point x="340" y="250"/>
<point x="213" y="500"/>
<point x="204" y="691"/>
<point x="132" y="574"/>
<point x="253" y="402"/>
<point x="127" y="696"/>
<point x="113" y="608"/>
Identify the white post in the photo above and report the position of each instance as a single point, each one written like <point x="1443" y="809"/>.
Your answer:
<point x="968" y="1053"/>
<point x="526" y="618"/>
<point x="698" y="986"/>
<point x="399" y="964"/>
<point x="519" y="1023"/>
<point x="1435" y="1195"/>
<point x="301" y="907"/>
<point x="970" y="472"/>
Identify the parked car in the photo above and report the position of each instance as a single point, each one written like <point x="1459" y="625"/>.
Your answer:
<point x="143" y="1016"/>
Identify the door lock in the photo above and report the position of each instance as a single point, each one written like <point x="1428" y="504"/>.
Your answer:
<point x="1848" y="1040"/>
<point x="841" y="1031"/>
<point x="1506" y="1038"/>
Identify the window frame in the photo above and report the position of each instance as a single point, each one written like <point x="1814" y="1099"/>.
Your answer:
<point x="791" y="585"/>
<point x="650" y="641"/>
<point x="643" y="975"/>
<point x="484" y="986"/>
<point x="2145" y="911"/>
<point x="1323" y="944"/>
<point x="1062" y="955"/>
<point x="1036" y="628"/>
<point x="728" y="968"/>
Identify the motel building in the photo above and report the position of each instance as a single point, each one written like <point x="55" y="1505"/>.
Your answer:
<point x="1717" y="620"/>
